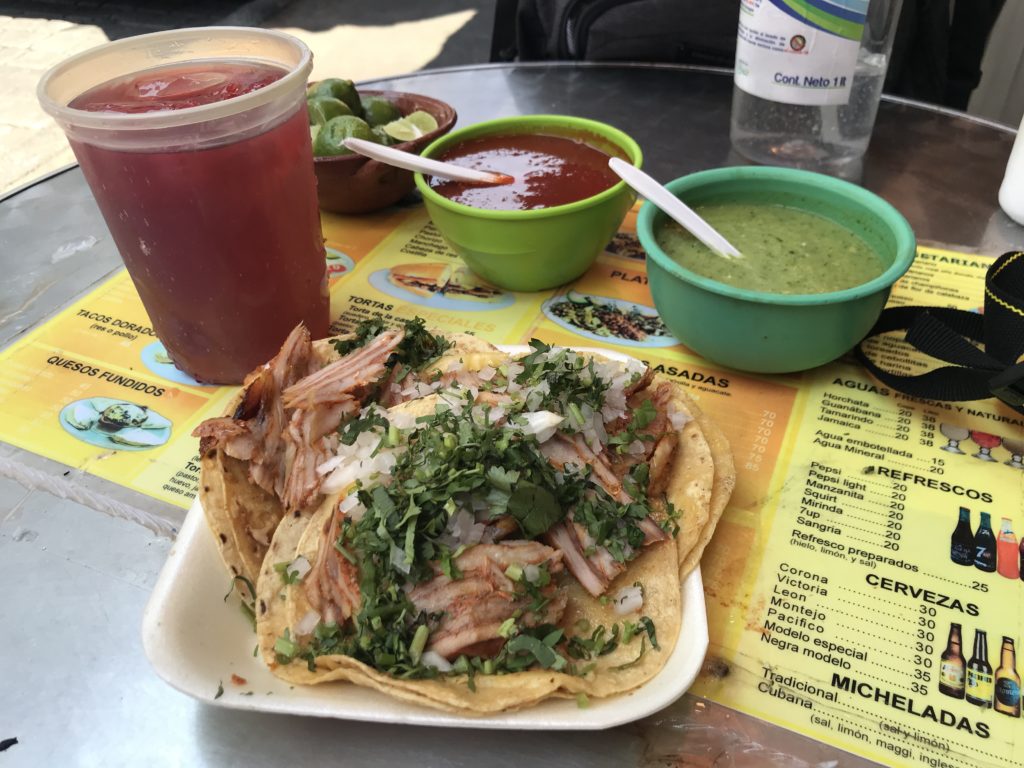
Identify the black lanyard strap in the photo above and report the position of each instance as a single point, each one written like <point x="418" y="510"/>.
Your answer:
<point x="983" y="349"/>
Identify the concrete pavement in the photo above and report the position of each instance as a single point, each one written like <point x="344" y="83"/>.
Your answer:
<point x="349" y="38"/>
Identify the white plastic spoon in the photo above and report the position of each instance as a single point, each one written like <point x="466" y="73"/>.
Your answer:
<point x="411" y="162"/>
<point x="675" y="208"/>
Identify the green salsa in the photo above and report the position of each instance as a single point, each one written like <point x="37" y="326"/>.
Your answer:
<point x="784" y="250"/>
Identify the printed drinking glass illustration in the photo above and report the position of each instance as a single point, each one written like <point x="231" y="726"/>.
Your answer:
<point x="955" y="435"/>
<point x="1016" y="449"/>
<point x="985" y="443"/>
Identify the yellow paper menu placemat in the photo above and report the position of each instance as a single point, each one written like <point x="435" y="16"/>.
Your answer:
<point x="833" y="603"/>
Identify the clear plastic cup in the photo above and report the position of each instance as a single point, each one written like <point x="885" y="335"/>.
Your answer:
<point x="213" y="207"/>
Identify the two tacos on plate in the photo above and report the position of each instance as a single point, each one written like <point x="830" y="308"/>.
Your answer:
<point x="458" y="526"/>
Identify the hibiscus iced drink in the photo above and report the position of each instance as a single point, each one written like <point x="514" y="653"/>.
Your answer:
<point x="204" y="174"/>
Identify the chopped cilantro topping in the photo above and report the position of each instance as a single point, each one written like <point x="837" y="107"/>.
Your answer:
<point x="246" y="605"/>
<point x="458" y="459"/>
<point x="234" y="585"/>
<point x="571" y="380"/>
<point x="417" y="348"/>
<point x="350" y="430"/>
<point x="634" y="662"/>
<point x="288" y="577"/>
<point x="613" y="525"/>
<point x="642" y="417"/>
<point x="535" y="508"/>
<point x="285" y="648"/>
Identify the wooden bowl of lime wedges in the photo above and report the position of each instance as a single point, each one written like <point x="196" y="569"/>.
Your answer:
<point x="350" y="183"/>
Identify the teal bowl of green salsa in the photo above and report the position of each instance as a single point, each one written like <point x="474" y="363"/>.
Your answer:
<point x="819" y="257"/>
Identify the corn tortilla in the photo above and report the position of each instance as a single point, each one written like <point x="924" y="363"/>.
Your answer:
<point x="658" y="569"/>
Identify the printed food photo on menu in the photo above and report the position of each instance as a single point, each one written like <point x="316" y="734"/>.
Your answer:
<point x="445" y="283"/>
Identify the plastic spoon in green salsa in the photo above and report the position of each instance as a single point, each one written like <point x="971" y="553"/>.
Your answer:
<point x="674" y="208"/>
<point x="411" y="162"/>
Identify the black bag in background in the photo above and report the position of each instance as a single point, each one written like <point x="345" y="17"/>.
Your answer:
<point x="676" y="31"/>
<point x="936" y="56"/>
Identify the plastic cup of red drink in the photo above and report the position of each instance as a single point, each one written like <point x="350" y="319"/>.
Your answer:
<point x="196" y="146"/>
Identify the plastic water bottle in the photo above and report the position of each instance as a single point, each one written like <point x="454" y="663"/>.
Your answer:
<point x="808" y="80"/>
<point x="1011" y="192"/>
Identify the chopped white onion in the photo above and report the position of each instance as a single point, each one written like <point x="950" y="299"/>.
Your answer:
<point x="636" y="448"/>
<point x="610" y="413"/>
<point x="300" y="567"/>
<point x="330" y="465"/>
<point x="531" y="572"/>
<point x="398" y="560"/>
<point x="345" y="505"/>
<point x="359" y="461"/>
<point x="434" y="659"/>
<point x="463" y="529"/>
<point x="542" y="424"/>
<point x="678" y="419"/>
<point x="628" y="600"/>
<point x="487" y="373"/>
<point x="402" y="420"/>
<point x="307" y="624"/>
<point x="476" y="534"/>
<point x="455" y="402"/>
<point x="344" y="476"/>
<point x="418" y="389"/>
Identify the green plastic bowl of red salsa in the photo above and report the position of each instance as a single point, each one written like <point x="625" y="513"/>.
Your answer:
<point x="539" y="248"/>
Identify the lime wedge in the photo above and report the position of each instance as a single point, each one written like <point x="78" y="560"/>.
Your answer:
<point x="424" y="121"/>
<point x="412" y="126"/>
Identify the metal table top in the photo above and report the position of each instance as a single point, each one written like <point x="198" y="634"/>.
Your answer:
<point x="78" y="569"/>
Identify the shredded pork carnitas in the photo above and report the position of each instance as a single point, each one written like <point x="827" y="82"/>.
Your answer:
<point x="285" y="425"/>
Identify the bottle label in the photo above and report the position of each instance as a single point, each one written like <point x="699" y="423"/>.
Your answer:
<point x="952" y="675"/>
<point x="962" y="553"/>
<point x="1008" y="692"/>
<point x="985" y="556"/>
<point x="979" y="685"/>
<point x="797" y="52"/>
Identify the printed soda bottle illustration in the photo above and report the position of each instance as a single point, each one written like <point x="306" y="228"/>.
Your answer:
<point x="961" y="547"/>
<point x="1007" y="552"/>
<point x="1007" y="686"/>
<point x="979" y="673"/>
<point x="985" y="545"/>
<point x="953" y="666"/>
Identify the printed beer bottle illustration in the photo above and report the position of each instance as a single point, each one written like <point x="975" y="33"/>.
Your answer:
<point x="1007" y="687"/>
<point x="985" y="545"/>
<point x="1007" y="553"/>
<point x="979" y="673"/>
<point x="953" y="667"/>
<point x="961" y="547"/>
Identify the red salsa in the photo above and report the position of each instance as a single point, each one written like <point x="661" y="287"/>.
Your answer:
<point x="548" y="171"/>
